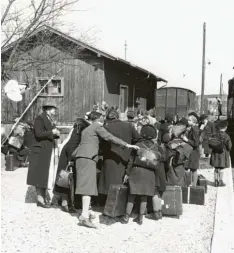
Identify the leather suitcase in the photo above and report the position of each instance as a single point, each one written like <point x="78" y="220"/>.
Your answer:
<point x="193" y="195"/>
<point x="11" y="162"/>
<point x="172" y="201"/>
<point x="202" y="182"/>
<point x="116" y="201"/>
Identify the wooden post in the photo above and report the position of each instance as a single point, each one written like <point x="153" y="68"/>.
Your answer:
<point x="125" y="50"/>
<point x="221" y="86"/>
<point x="203" y="68"/>
<point x="133" y="97"/>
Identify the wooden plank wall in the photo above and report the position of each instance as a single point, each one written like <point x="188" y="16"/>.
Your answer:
<point x="83" y="85"/>
<point x="116" y="74"/>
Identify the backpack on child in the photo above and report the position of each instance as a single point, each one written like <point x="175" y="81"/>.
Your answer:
<point x="216" y="143"/>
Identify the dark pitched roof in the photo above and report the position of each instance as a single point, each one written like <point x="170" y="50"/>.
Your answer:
<point x="91" y="48"/>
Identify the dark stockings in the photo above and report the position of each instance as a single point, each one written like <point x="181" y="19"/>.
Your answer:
<point x="130" y="204"/>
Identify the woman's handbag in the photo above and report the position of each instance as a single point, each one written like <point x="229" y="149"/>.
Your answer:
<point x="63" y="177"/>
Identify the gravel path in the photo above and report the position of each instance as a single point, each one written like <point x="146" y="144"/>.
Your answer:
<point x="26" y="228"/>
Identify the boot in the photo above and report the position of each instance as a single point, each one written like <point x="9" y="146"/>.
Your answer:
<point x="154" y="216"/>
<point x="139" y="219"/>
<point x="160" y="214"/>
<point x="221" y="183"/>
<point x="216" y="183"/>
<point x="125" y="219"/>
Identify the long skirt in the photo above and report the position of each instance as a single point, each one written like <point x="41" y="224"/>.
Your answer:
<point x="86" y="177"/>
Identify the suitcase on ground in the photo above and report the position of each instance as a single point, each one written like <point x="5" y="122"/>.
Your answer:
<point x="172" y="201"/>
<point x="202" y="182"/>
<point x="193" y="195"/>
<point x="11" y="162"/>
<point x="116" y="200"/>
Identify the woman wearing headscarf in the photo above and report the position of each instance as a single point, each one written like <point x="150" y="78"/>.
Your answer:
<point x="165" y="127"/>
<point x="86" y="159"/>
<point x="115" y="159"/>
<point x="66" y="156"/>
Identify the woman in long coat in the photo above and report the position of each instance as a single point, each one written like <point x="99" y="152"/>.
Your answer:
<point x="65" y="157"/>
<point x="41" y="172"/>
<point x="86" y="160"/>
<point x="115" y="159"/>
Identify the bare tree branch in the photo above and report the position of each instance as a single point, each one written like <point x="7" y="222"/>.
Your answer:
<point x="7" y="10"/>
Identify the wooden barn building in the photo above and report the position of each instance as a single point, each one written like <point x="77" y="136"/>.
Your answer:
<point x="88" y="75"/>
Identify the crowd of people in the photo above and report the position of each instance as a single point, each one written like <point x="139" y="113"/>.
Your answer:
<point x="104" y="151"/>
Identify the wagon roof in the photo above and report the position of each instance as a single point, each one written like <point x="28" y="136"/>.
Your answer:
<point x="174" y="87"/>
<point x="90" y="48"/>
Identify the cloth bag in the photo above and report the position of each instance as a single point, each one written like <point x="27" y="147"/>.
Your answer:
<point x="63" y="177"/>
<point x="216" y="143"/>
<point x="148" y="158"/>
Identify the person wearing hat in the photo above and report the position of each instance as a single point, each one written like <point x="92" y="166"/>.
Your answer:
<point x="87" y="154"/>
<point x="65" y="157"/>
<point x="221" y="160"/>
<point x="143" y="181"/>
<point x="219" y="105"/>
<point x="41" y="172"/>
<point x="207" y="128"/>
<point x="115" y="159"/>
<point x="131" y="117"/>
<point x="165" y="127"/>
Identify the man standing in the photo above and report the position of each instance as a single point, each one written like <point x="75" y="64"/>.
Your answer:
<point x="42" y="169"/>
<point x="219" y="105"/>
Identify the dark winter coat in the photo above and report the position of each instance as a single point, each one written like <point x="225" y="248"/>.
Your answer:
<point x="115" y="158"/>
<point x="208" y="130"/>
<point x="193" y="140"/>
<point x="177" y="158"/>
<point x="65" y="157"/>
<point x="87" y="157"/>
<point x="222" y="160"/>
<point x="43" y="144"/>
<point x="143" y="181"/>
<point x="163" y="129"/>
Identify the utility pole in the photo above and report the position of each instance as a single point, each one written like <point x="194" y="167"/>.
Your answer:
<point x="221" y="86"/>
<point x="203" y="68"/>
<point x="125" y="50"/>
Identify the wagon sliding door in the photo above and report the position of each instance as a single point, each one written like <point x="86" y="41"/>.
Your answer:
<point x="123" y="100"/>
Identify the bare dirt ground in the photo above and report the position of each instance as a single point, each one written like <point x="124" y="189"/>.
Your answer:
<point x="27" y="228"/>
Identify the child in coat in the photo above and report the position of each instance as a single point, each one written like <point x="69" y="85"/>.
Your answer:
<point x="192" y="139"/>
<point x="142" y="180"/>
<point x="221" y="160"/>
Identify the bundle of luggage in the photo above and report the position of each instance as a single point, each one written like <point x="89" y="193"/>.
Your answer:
<point x="172" y="201"/>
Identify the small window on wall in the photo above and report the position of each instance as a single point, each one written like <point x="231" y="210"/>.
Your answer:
<point x="54" y="88"/>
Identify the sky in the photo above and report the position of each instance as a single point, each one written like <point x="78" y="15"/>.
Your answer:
<point x="165" y="37"/>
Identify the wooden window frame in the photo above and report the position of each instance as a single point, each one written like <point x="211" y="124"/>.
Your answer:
<point x="51" y="95"/>
<point x="123" y="86"/>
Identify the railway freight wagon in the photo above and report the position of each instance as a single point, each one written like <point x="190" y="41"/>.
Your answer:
<point x="230" y="115"/>
<point x="177" y="101"/>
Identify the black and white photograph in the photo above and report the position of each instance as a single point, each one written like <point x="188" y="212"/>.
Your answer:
<point x="117" y="126"/>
